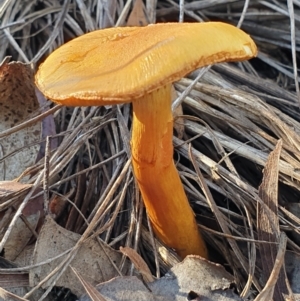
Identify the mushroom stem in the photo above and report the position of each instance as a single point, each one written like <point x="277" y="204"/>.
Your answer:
<point x="162" y="191"/>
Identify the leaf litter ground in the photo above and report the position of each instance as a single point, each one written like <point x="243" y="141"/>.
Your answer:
<point x="233" y="118"/>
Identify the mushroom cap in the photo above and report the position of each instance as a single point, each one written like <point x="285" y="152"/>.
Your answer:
<point x="118" y="65"/>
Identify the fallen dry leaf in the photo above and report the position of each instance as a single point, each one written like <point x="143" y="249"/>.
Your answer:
<point x="92" y="260"/>
<point x="268" y="225"/>
<point x="58" y="203"/>
<point x="21" y="233"/>
<point x="48" y="126"/>
<point x="207" y="280"/>
<point x="20" y="236"/>
<point x="17" y="102"/>
<point x="9" y="192"/>
<point x="25" y="257"/>
<point x="137" y="16"/>
<point x="8" y="189"/>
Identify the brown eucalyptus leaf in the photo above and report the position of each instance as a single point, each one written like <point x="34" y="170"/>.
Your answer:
<point x="92" y="261"/>
<point x="17" y="103"/>
<point x="268" y="223"/>
<point x="20" y="235"/>
<point x="137" y="16"/>
<point x="11" y="188"/>
<point x="10" y="192"/>
<point x="48" y="126"/>
<point x="25" y="257"/>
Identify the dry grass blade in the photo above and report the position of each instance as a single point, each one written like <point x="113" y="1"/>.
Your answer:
<point x="139" y="263"/>
<point x="55" y="31"/>
<point x="167" y="258"/>
<point x="90" y="289"/>
<point x="219" y="216"/>
<point x="268" y="223"/>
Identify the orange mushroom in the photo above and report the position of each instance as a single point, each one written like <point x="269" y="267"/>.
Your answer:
<point x="138" y="65"/>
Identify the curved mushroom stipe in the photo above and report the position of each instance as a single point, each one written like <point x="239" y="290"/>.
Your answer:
<point x="171" y="216"/>
<point x="138" y="65"/>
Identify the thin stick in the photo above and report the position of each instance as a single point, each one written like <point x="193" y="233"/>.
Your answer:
<point x="293" y="44"/>
<point x="46" y="175"/>
<point x="30" y="122"/>
<point x="181" y="11"/>
<point x="186" y="92"/>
